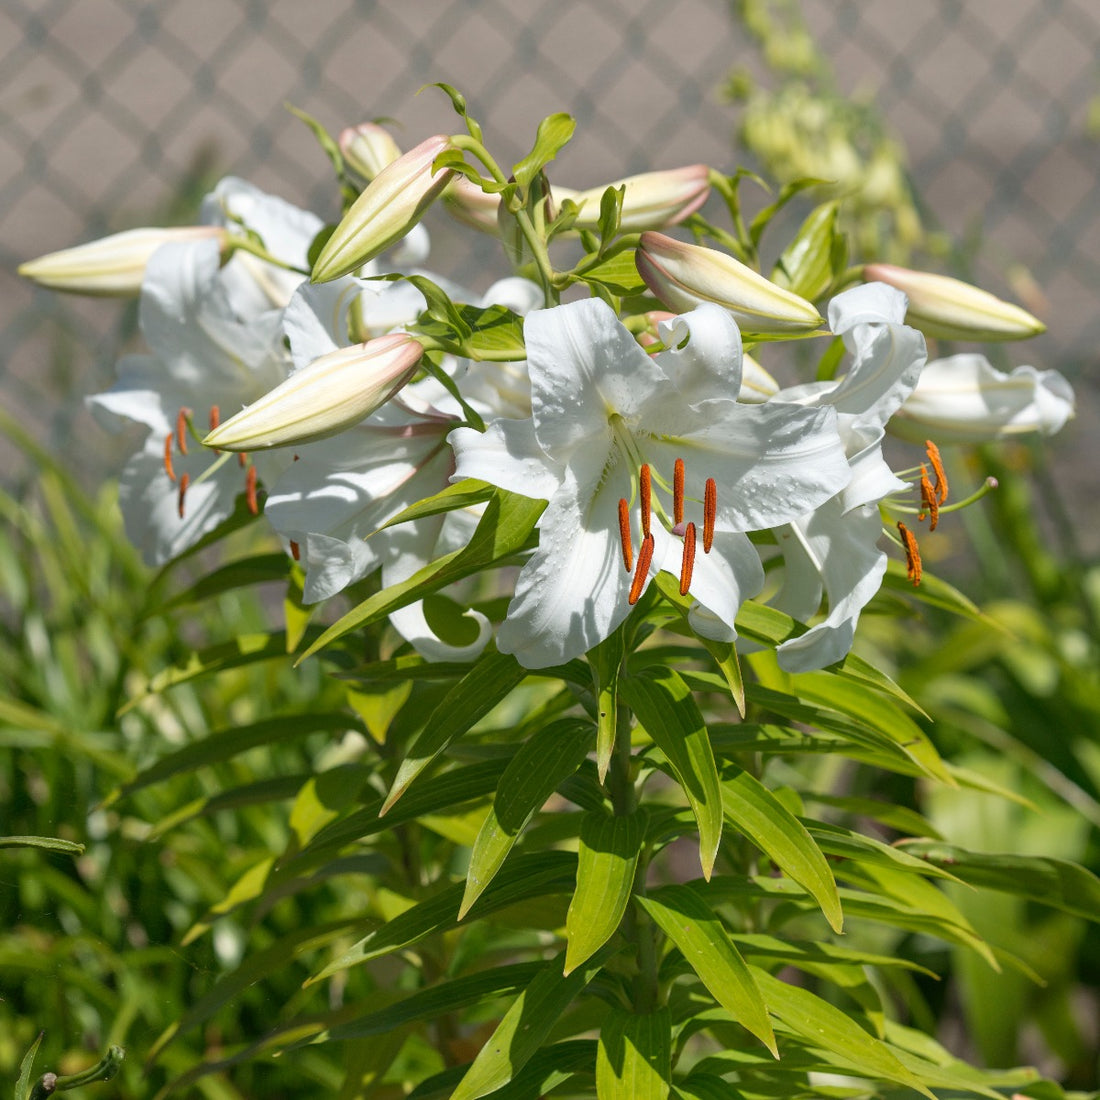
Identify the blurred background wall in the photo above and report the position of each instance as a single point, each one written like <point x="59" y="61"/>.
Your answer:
<point x="118" y="113"/>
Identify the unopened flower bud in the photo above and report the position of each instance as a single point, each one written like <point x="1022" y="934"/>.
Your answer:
<point x="467" y="203"/>
<point x="392" y="203"/>
<point x="684" y="276"/>
<point x="368" y="148"/>
<point x="652" y="200"/>
<point x="953" y="310"/>
<point x="112" y="267"/>
<point x="324" y="397"/>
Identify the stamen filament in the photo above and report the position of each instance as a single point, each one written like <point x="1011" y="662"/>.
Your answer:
<point x="678" y="492"/>
<point x="710" y="511"/>
<point x="688" y="562"/>
<point x="250" y="491"/>
<point x="168" y="467"/>
<point x="937" y="466"/>
<point x="641" y="572"/>
<point x="185" y="480"/>
<point x="645" y="491"/>
<point x="181" y="429"/>
<point x="624" y="533"/>
<point x="912" y="553"/>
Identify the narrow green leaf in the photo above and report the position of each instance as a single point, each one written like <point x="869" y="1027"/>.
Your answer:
<point x="702" y="938"/>
<point x="26" y="1069"/>
<point x="296" y="612"/>
<point x="245" y="649"/>
<point x="505" y="527"/>
<point x="1054" y="882"/>
<point x="822" y="1025"/>
<point x="525" y="1026"/>
<point x="753" y="809"/>
<point x="491" y="679"/>
<point x="790" y="952"/>
<point x="544" y="761"/>
<point x="935" y="592"/>
<point x="787" y="192"/>
<point x="48" y="843"/>
<point x="547" y="1068"/>
<point x="225" y="744"/>
<point x="606" y="863"/>
<point x="816" y="255"/>
<point x="259" y="569"/>
<point x="553" y="135"/>
<point x="841" y="843"/>
<point x="665" y="707"/>
<point x="426" y="1004"/>
<point x="522" y="878"/>
<point x="634" y="1057"/>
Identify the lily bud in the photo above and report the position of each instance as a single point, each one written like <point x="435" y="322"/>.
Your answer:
<point x="683" y="276"/>
<point x="953" y="310"/>
<point x="964" y="399"/>
<point x="368" y="148"/>
<point x="392" y="203"/>
<point x="467" y="203"/>
<point x="112" y="267"/>
<point x="324" y="397"/>
<point x="652" y="200"/>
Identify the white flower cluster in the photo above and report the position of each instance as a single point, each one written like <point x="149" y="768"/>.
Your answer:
<point x="680" y="459"/>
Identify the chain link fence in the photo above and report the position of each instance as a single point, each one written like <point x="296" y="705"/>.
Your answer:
<point x="118" y="113"/>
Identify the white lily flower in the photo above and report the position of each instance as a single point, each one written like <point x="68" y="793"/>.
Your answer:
<point x="203" y="359"/>
<point x="964" y="399"/>
<point x="602" y="409"/>
<point x="834" y="548"/>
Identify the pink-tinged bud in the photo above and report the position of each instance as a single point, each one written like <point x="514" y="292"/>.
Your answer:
<point x="368" y="148"/>
<point x="467" y="203"/>
<point x="392" y="203"/>
<point x="324" y="397"/>
<point x="652" y="200"/>
<point x="112" y="267"/>
<point x="953" y="310"/>
<point x="683" y="276"/>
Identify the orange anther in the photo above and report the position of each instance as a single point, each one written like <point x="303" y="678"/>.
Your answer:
<point x="185" y="480"/>
<point x="710" y="511"/>
<point x="242" y="459"/>
<point x="168" y="467"/>
<point x="215" y="417"/>
<point x="678" y="492"/>
<point x="641" y="573"/>
<point x="624" y="533"/>
<point x="181" y="429"/>
<point x="912" y="553"/>
<point x="929" y="502"/>
<point x="645" y="488"/>
<point x="688" y="562"/>
<point x="250" y="491"/>
<point x="295" y="550"/>
<point x="937" y="465"/>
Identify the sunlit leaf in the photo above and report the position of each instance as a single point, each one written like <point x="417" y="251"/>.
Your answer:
<point x="634" y="1059"/>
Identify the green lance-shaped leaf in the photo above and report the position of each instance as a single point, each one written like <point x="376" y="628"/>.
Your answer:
<point x="26" y="1068"/>
<point x="1054" y="882"/>
<point x="49" y="843"/>
<point x="664" y="705"/>
<point x="634" y="1058"/>
<point x="493" y="676"/>
<point x="810" y="263"/>
<point x="702" y="938"/>
<point x="544" y="760"/>
<point x="235" y="574"/>
<point x="505" y="527"/>
<point x="553" y="135"/>
<point x="753" y="809"/>
<point x="525" y="877"/>
<point x="606" y="862"/>
<point x="525" y="1026"/>
<point x="827" y="1027"/>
